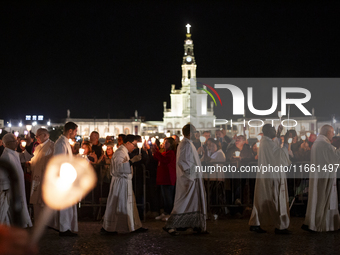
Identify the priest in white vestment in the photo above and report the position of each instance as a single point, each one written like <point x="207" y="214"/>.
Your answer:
<point x="10" y="141"/>
<point x="42" y="154"/>
<point x="190" y="206"/>
<point x="322" y="208"/>
<point x="271" y="194"/>
<point x="66" y="221"/>
<point x="121" y="214"/>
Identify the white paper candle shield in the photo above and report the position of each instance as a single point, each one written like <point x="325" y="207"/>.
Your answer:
<point x="66" y="180"/>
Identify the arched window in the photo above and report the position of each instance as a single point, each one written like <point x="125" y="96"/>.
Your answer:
<point x="126" y="131"/>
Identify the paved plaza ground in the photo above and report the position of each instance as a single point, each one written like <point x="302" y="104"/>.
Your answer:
<point x="227" y="236"/>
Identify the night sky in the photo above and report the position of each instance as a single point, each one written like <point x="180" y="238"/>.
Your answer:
<point x="98" y="59"/>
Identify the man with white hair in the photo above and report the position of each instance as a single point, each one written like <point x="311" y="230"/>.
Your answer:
<point x="322" y="209"/>
<point x="11" y="143"/>
<point x="43" y="152"/>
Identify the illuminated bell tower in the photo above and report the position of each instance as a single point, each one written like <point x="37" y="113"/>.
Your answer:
<point x="189" y="62"/>
<point x="188" y="104"/>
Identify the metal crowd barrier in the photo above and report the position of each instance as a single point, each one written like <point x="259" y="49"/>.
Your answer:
<point x="216" y="190"/>
<point x="97" y="201"/>
<point x="240" y="185"/>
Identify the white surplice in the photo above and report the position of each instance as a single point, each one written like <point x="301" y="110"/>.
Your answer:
<point x="271" y="193"/>
<point x="190" y="206"/>
<point x="66" y="219"/>
<point x="42" y="154"/>
<point x="322" y="209"/>
<point x="121" y="213"/>
<point x="4" y="197"/>
<point x="13" y="157"/>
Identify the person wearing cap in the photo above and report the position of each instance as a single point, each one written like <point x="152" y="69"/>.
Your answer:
<point x="121" y="215"/>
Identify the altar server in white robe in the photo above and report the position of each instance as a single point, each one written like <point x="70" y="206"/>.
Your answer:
<point x="11" y="143"/>
<point x="66" y="221"/>
<point x="271" y="194"/>
<point x="42" y="154"/>
<point x="322" y="208"/>
<point x="121" y="214"/>
<point x="190" y="206"/>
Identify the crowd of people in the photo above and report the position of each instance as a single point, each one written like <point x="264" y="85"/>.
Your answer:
<point x="174" y="183"/>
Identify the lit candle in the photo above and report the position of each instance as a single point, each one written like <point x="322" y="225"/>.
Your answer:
<point x="237" y="154"/>
<point x="23" y="144"/>
<point x="258" y="144"/>
<point x="161" y="140"/>
<point x="290" y="140"/>
<point x="308" y="134"/>
<point x="168" y="134"/>
<point x="81" y="151"/>
<point x="247" y="133"/>
<point x="202" y="139"/>
<point x="25" y="132"/>
<point x="16" y="133"/>
<point x="147" y="138"/>
<point x="303" y="137"/>
<point x="280" y="115"/>
<point x="153" y="140"/>
<point x="115" y="148"/>
<point x="259" y="137"/>
<point x="140" y="145"/>
<point x="104" y="147"/>
<point x="71" y="142"/>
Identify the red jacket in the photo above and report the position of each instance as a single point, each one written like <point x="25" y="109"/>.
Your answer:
<point x="166" y="170"/>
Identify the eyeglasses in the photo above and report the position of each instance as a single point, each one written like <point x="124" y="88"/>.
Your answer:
<point x="134" y="144"/>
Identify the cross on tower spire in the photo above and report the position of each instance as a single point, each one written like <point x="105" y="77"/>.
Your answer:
<point x="188" y="28"/>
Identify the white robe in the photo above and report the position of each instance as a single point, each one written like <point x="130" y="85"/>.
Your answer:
<point x="66" y="219"/>
<point x="322" y="209"/>
<point x="271" y="193"/>
<point x="190" y="206"/>
<point x="121" y="213"/>
<point x="13" y="157"/>
<point x="4" y="197"/>
<point x="42" y="154"/>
